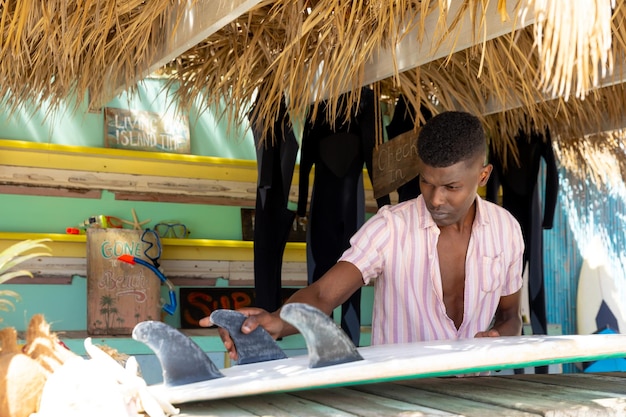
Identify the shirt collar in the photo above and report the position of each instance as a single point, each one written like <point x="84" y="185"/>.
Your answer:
<point x="481" y="218"/>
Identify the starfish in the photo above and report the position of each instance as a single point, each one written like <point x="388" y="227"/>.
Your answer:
<point x="136" y="224"/>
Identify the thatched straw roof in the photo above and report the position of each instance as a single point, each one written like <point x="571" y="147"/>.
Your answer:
<point x="562" y="71"/>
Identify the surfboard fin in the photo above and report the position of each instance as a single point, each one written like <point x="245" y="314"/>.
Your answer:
<point x="182" y="360"/>
<point x="326" y="343"/>
<point x="257" y="346"/>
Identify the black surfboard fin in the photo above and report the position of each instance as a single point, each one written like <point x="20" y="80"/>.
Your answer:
<point x="257" y="346"/>
<point x="182" y="360"/>
<point x="326" y="342"/>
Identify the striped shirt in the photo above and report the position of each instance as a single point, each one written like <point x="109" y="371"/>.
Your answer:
<point x="398" y="247"/>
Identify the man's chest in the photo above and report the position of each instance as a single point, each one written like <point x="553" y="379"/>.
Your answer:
<point x="452" y="249"/>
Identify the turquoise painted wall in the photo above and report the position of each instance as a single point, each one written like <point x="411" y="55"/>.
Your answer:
<point x="589" y="224"/>
<point x="210" y="134"/>
<point x="35" y="214"/>
<point x="64" y="306"/>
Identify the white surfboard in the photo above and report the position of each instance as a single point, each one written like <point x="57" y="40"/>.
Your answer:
<point x="598" y="304"/>
<point x="402" y="361"/>
<point x="332" y="359"/>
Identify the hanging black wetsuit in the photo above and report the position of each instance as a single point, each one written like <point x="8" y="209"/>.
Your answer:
<point x="276" y="160"/>
<point x="520" y="195"/>
<point x="339" y="154"/>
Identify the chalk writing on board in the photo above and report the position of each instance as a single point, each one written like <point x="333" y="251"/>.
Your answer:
<point x="122" y="284"/>
<point x="118" y="248"/>
<point x="395" y="163"/>
<point x="119" y="295"/>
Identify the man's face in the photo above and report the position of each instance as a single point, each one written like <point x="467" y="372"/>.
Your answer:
<point x="449" y="192"/>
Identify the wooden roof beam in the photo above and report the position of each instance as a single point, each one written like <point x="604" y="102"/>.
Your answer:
<point x="409" y="53"/>
<point x="617" y="77"/>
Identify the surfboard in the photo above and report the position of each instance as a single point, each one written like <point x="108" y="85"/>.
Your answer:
<point x="598" y="303"/>
<point x="324" y="367"/>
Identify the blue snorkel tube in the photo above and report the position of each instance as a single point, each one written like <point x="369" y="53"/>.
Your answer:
<point x="168" y="308"/>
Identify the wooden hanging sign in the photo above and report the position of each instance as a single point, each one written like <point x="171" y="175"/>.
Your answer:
<point x="395" y="163"/>
<point x="119" y="295"/>
<point x="146" y="131"/>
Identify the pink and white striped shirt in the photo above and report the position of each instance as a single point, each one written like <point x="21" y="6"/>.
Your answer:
<point x="398" y="247"/>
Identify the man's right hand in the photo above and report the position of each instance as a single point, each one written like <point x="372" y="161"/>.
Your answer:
<point x="256" y="317"/>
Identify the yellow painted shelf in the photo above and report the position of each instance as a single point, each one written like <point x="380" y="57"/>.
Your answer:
<point x="81" y="158"/>
<point x="119" y="161"/>
<point x="74" y="246"/>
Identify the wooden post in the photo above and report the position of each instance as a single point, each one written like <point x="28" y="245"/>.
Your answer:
<point x="119" y="295"/>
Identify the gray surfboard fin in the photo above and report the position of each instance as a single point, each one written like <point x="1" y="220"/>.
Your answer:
<point x="257" y="346"/>
<point x="326" y="342"/>
<point x="182" y="360"/>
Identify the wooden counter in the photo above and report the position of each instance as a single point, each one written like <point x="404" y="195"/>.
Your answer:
<point x="507" y="395"/>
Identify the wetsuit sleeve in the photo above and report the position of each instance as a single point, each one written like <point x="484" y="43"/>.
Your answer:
<point x="552" y="184"/>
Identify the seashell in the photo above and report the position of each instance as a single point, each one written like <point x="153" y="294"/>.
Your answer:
<point x="21" y="382"/>
<point x="99" y="387"/>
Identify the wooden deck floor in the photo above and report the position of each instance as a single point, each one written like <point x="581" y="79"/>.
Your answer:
<point x="551" y="395"/>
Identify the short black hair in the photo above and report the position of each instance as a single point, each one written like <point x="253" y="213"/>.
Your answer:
<point x="451" y="137"/>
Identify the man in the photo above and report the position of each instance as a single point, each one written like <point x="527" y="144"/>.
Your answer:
<point x="447" y="264"/>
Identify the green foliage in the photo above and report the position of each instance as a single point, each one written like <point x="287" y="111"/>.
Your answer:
<point x="11" y="257"/>
<point x="6" y="305"/>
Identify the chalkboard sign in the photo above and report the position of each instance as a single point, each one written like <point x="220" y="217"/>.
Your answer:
<point x="196" y="303"/>
<point x="146" y="131"/>
<point x="395" y="163"/>
<point x="119" y="295"/>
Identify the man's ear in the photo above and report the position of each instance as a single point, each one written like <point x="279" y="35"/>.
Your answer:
<point x="484" y="175"/>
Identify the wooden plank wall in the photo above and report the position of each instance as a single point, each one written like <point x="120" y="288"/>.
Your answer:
<point x="59" y="270"/>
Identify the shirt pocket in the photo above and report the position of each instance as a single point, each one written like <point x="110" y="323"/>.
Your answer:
<point x="492" y="273"/>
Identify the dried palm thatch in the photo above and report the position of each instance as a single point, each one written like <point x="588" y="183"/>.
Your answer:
<point x="56" y="50"/>
<point x="308" y="50"/>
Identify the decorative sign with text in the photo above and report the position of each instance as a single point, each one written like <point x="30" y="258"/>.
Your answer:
<point x="199" y="302"/>
<point x="395" y="163"/>
<point x="146" y="131"/>
<point x="119" y="295"/>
